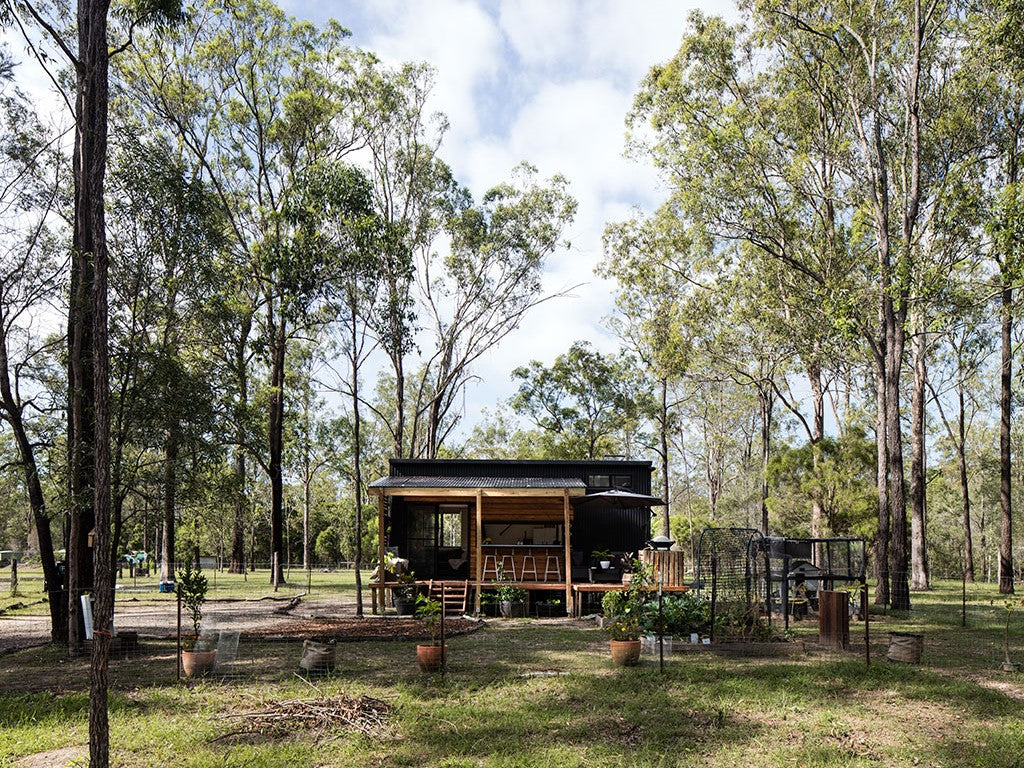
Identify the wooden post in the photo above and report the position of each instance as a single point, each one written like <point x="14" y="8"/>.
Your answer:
<point x="479" y="549"/>
<point x="963" y="602"/>
<point x="379" y="602"/>
<point x="177" y="594"/>
<point x="867" y="623"/>
<point x="568" y="555"/>
<point x="833" y="619"/>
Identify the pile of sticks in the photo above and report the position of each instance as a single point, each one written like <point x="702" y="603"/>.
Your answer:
<point x="325" y="716"/>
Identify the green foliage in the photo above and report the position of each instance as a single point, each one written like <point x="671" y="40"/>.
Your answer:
<point x="682" y="615"/>
<point x="508" y="591"/>
<point x="585" y="401"/>
<point x="625" y="609"/>
<point x="429" y="610"/>
<point x="843" y="482"/>
<point x="192" y="587"/>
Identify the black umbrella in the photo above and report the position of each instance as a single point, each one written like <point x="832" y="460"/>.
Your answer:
<point x="616" y="499"/>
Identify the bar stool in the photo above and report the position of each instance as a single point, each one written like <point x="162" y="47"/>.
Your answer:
<point x="552" y="566"/>
<point x="491" y="565"/>
<point x="531" y="568"/>
<point x="511" y="567"/>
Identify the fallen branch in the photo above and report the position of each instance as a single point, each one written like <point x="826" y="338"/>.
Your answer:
<point x="325" y="716"/>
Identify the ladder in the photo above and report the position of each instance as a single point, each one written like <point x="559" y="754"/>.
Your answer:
<point x="453" y="595"/>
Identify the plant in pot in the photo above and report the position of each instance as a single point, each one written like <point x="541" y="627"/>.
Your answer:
<point x="603" y="558"/>
<point x="192" y="587"/>
<point x="430" y="657"/>
<point x="488" y="604"/>
<point x="405" y="594"/>
<point x="625" y="612"/>
<point x="511" y="597"/>
<point x="550" y="608"/>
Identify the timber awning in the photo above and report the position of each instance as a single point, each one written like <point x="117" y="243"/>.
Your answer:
<point x="486" y="486"/>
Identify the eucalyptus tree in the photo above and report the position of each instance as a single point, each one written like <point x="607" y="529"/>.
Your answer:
<point x="88" y="357"/>
<point x="259" y="99"/>
<point x="339" y="229"/>
<point x="414" y="191"/>
<point x="961" y="356"/>
<point x="582" y="400"/>
<point x="166" y="229"/>
<point x="996" y="38"/>
<point x="32" y="280"/>
<point x="480" y="290"/>
<point x="641" y="255"/>
<point x="755" y="178"/>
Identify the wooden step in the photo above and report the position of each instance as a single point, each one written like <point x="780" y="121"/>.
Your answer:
<point x="453" y="596"/>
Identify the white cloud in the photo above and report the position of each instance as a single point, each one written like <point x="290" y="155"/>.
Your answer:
<point x="547" y="82"/>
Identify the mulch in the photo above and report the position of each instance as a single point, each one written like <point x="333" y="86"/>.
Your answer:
<point x="353" y="629"/>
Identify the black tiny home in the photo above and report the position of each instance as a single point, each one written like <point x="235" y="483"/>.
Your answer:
<point x="456" y="519"/>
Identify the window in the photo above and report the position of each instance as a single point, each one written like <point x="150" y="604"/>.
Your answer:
<point x="450" y="519"/>
<point x="622" y="481"/>
<point x="599" y="481"/>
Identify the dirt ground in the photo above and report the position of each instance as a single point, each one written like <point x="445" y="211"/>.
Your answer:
<point x="266" y="618"/>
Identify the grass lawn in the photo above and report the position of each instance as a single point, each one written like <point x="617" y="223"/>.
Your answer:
<point x="223" y="585"/>
<point x="819" y="709"/>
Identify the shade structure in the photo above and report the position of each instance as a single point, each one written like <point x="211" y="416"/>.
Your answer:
<point x="616" y="499"/>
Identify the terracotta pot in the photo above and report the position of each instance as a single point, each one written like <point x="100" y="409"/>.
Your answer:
<point x="196" y="663"/>
<point x="431" y="656"/>
<point x="625" y="652"/>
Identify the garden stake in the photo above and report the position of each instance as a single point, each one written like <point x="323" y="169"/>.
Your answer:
<point x="714" y="594"/>
<point x="867" y="623"/>
<point x="963" y="606"/>
<point x="444" y="660"/>
<point x="661" y="629"/>
<point x="177" y="594"/>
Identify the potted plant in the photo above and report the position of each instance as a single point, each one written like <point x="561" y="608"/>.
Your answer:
<point x="192" y="587"/>
<point x="603" y="558"/>
<point x="550" y="608"/>
<point x="625" y="611"/>
<point x="430" y="657"/>
<point x="405" y="594"/>
<point x="511" y="597"/>
<point x="488" y="603"/>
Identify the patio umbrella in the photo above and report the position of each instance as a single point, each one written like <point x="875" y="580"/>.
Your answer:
<point x="616" y="499"/>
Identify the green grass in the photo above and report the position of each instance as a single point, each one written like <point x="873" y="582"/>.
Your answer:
<point x="223" y="586"/>
<point x="821" y="709"/>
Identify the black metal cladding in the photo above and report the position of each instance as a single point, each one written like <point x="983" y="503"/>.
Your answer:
<point x="614" y="530"/>
<point x="639" y="472"/>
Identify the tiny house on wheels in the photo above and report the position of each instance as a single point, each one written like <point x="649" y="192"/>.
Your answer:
<point x="472" y="522"/>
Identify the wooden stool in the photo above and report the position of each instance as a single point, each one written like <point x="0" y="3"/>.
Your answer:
<point x="490" y="564"/>
<point x="511" y="567"/>
<point x="551" y="565"/>
<point x="531" y="568"/>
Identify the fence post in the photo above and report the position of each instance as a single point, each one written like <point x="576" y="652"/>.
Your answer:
<point x="714" y="594"/>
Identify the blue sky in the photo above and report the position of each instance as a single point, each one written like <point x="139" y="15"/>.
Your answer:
<point x="547" y="81"/>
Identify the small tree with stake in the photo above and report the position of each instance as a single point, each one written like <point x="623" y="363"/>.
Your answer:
<point x="192" y="588"/>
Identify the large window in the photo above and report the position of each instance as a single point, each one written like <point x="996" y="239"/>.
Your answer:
<point x="450" y="523"/>
<point x="435" y="536"/>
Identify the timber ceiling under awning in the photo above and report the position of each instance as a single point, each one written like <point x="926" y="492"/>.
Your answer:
<point x="488" y="486"/>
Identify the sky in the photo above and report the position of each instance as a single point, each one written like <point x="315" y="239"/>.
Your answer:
<point x="549" y="82"/>
<point x="545" y="81"/>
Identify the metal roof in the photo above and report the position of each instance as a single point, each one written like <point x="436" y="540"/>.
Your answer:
<point x="422" y="481"/>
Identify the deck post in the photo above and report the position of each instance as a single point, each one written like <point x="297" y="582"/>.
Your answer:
<point x="568" y="555"/>
<point x="479" y="550"/>
<point x="381" y="578"/>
